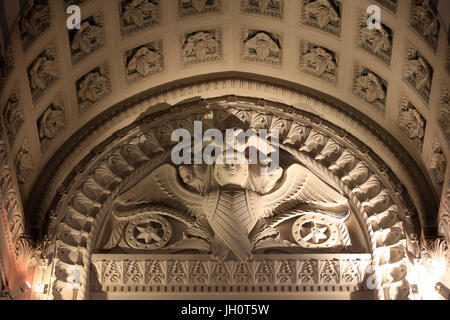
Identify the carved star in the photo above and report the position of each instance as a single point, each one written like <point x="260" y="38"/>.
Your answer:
<point x="316" y="233"/>
<point x="148" y="234"/>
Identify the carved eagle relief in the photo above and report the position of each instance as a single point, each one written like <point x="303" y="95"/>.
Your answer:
<point x="230" y="203"/>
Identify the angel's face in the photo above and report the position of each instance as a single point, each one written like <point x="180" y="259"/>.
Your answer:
<point x="233" y="173"/>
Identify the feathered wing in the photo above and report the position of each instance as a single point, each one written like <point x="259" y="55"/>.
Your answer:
<point x="302" y="187"/>
<point x="165" y="179"/>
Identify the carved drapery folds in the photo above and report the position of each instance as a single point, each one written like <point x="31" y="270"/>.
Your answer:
<point x="136" y="155"/>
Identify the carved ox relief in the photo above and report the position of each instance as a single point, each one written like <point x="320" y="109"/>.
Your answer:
<point x="184" y="211"/>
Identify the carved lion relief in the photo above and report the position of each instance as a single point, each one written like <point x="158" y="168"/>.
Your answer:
<point x="260" y="46"/>
<point x="51" y="122"/>
<point x="324" y="15"/>
<point x="412" y="123"/>
<point x="318" y="61"/>
<point x="370" y="87"/>
<point x="139" y="14"/>
<point x="89" y="38"/>
<point x="263" y="8"/>
<point x="190" y="8"/>
<point x="93" y="86"/>
<point x="201" y="46"/>
<point x="43" y="72"/>
<point x="418" y="73"/>
<point x="144" y="61"/>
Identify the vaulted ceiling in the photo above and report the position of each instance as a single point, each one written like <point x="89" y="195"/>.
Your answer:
<point x="132" y="57"/>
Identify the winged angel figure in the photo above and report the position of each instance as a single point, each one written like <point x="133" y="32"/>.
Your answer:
<point x="233" y="200"/>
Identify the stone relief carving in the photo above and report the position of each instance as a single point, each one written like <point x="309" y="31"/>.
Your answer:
<point x="258" y="272"/>
<point x="87" y="39"/>
<point x="43" y="72"/>
<point x="315" y="231"/>
<point x="93" y="86"/>
<point x="370" y="87"/>
<point x="377" y="42"/>
<point x="418" y="73"/>
<point x="13" y="115"/>
<point x="35" y="21"/>
<point x="444" y="114"/>
<point x="202" y="46"/>
<point x="425" y="21"/>
<point x="438" y="163"/>
<point x="263" y="8"/>
<point x="24" y="163"/>
<point x="318" y="61"/>
<point x="144" y="61"/>
<point x="261" y="47"/>
<point x="412" y="123"/>
<point x="51" y="122"/>
<point x="324" y="15"/>
<point x="391" y="5"/>
<point x="187" y="8"/>
<point x="139" y="14"/>
<point x="146" y="148"/>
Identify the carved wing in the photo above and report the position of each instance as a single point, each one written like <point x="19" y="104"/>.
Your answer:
<point x="302" y="187"/>
<point x="160" y="186"/>
<point x="116" y="234"/>
<point x="166" y="177"/>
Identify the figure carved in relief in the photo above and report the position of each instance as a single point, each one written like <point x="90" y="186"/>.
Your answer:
<point x="231" y="199"/>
